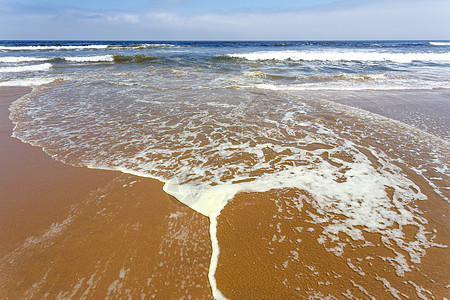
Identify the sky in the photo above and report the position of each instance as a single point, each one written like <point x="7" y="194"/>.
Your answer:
<point x="225" y="19"/>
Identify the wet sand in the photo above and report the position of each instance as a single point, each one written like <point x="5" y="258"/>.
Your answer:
<point x="427" y="110"/>
<point x="76" y="232"/>
<point x="269" y="246"/>
<point x="270" y="251"/>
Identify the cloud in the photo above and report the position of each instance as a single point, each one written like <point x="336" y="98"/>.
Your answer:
<point x="382" y="19"/>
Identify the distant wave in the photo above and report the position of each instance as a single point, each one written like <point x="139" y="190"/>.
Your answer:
<point x="33" y="68"/>
<point x="440" y="43"/>
<point x="51" y="48"/>
<point x="341" y="56"/>
<point x="140" y="46"/>
<point x="83" y="47"/>
<point x="110" y="58"/>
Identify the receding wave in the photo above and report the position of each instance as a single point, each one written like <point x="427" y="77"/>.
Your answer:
<point x="28" y="82"/>
<point x="32" y="68"/>
<point x="341" y="56"/>
<point x="259" y="74"/>
<point x="327" y="78"/>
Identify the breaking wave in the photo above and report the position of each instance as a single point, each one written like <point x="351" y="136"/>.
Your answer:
<point x="82" y="47"/>
<point x="440" y="43"/>
<point x="341" y="56"/>
<point x="33" y="68"/>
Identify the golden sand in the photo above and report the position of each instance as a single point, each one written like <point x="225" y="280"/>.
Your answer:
<point x="268" y="250"/>
<point x="73" y="232"/>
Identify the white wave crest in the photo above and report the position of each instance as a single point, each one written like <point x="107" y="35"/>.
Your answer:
<point x="44" y="48"/>
<point x="98" y="58"/>
<point x="357" y="86"/>
<point x="18" y="59"/>
<point x="32" y="68"/>
<point x="342" y="56"/>
<point x="140" y="46"/>
<point x="440" y="43"/>
<point x="28" y="82"/>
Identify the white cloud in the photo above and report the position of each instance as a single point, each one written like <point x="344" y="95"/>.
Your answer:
<point x="382" y="19"/>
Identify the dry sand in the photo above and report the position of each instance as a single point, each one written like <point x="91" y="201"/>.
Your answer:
<point x="73" y="232"/>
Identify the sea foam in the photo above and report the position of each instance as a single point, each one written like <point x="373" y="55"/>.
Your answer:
<point x="19" y="59"/>
<point x="97" y="58"/>
<point x="28" y="82"/>
<point x="32" y="68"/>
<point x="440" y="43"/>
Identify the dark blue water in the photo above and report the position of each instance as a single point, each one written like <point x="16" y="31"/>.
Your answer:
<point x="303" y="65"/>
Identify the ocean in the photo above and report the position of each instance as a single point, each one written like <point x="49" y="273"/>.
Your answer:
<point x="329" y="160"/>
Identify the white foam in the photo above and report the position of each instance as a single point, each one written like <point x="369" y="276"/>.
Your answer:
<point x="364" y="183"/>
<point x="28" y="82"/>
<point x="32" y="68"/>
<point x="98" y="58"/>
<point x="17" y="59"/>
<point x="361" y="201"/>
<point x="341" y="55"/>
<point x="382" y="85"/>
<point x="440" y="43"/>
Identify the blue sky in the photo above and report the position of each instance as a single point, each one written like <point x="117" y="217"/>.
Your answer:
<point x="225" y="20"/>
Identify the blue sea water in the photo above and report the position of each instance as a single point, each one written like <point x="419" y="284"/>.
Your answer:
<point x="347" y="122"/>
<point x="273" y="65"/>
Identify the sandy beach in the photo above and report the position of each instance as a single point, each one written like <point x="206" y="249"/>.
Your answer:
<point x="323" y="167"/>
<point x="76" y="232"/>
<point x="269" y="251"/>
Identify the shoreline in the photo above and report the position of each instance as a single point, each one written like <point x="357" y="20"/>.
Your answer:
<point x="120" y="235"/>
<point x="73" y="232"/>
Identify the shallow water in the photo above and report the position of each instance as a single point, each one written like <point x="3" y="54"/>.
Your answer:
<point x="216" y="121"/>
